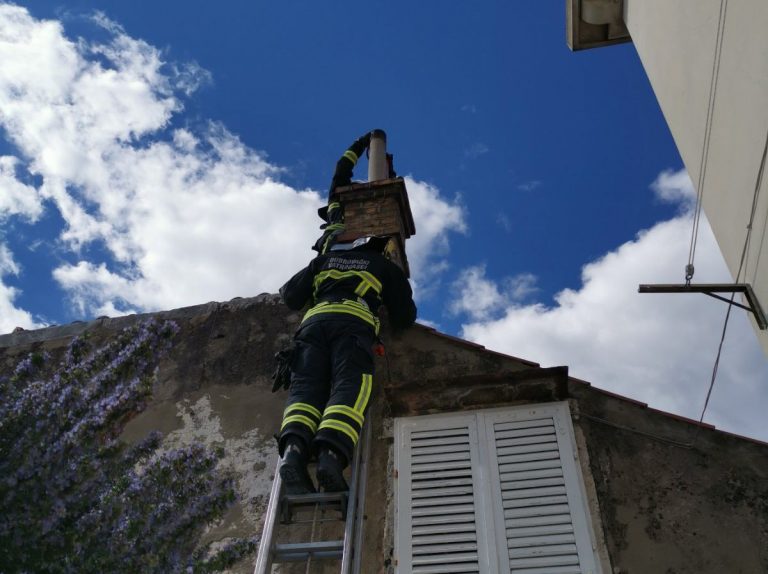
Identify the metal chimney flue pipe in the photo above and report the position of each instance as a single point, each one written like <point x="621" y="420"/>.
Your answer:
<point x="377" y="156"/>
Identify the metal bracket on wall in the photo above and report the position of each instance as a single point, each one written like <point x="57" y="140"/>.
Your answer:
<point x="753" y="305"/>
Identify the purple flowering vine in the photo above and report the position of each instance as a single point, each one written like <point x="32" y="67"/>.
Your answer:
<point x="74" y="498"/>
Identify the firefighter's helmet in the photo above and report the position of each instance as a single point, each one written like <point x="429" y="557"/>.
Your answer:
<point x="376" y="243"/>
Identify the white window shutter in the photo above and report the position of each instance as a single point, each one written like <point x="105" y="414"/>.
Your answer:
<point x="541" y="520"/>
<point x="441" y="522"/>
<point x="496" y="490"/>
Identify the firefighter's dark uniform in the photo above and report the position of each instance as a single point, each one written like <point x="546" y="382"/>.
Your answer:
<point x="332" y="370"/>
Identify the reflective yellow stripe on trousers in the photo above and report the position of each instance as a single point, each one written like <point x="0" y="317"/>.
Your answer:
<point x="341" y="427"/>
<point x="364" y="394"/>
<point x="310" y="421"/>
<point x="355" y="413"/>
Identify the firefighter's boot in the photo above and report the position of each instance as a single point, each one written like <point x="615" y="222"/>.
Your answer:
<point x="293" y="471"/>
<point x="330" y="468"/>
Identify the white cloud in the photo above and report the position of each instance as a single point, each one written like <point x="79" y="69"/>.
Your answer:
<point x="428" y="323"/>
<point x="521" y="286"/>
<point x="11" y="316"/>
<point x="23" y="201"/>
<point x="529" y="185"/>
<point x="477" y="296"/>
<point x="503" y="220"/>
<point x="17" y="198"/>
<point x="187" y="216"/>
<point x="435" y="219"/>
<point x="7" y="265"/>
<point x="656" y="348"/>
<point x="480" y="298"/>
<point x="475" y="150"/>
<point x="675" y="187"/>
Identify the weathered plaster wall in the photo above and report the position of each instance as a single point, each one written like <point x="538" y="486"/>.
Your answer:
<point x="674" y="497"/>
<point x="664" y="506"/>
<point x="214" y="388"/>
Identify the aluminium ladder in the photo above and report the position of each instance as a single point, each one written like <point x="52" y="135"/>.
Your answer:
<point x="283" y="509"/>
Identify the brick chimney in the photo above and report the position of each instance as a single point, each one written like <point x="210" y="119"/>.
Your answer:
<point x="379" y="206"/>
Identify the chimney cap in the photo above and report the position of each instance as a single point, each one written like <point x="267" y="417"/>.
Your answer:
<point x="377" y="133"/>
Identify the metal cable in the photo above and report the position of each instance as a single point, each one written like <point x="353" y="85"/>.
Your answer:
<point x="689" y="268"/>
<point x="755" y="198"/>
<point x="753" y="210"/>
<point x="636" y="431"/>
<point x="717" y="363"/>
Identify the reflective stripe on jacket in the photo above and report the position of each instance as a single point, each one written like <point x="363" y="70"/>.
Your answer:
<point x="355" y="283"/>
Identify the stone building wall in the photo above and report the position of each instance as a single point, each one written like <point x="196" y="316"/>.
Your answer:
<point x="668" y="496"/>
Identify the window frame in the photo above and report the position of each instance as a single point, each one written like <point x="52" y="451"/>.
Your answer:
<point x="489" y="518"/>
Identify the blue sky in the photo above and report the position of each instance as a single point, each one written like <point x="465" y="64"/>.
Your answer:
<point x="156" y="155"/>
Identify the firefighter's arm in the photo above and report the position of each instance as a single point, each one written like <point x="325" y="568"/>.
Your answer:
<point x="332" y="213"/>
<point x="297" y="292"/>
<point x="398" y="297"/>
<point x="343" y="174"/>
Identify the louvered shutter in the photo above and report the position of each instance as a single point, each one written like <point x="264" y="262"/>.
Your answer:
<point x="491" y="491"/>
<point x="441" y="523"/>
<point x="541" y="519"/>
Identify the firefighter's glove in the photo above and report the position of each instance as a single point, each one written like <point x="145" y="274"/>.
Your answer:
<point x="364" y="140"/>
<point x="281" y="378"/>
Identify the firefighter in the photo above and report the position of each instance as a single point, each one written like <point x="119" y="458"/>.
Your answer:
<point x="332" y="366"/>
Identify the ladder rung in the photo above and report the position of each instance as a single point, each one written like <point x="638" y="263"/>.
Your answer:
<point x="303" y="550"/>
<point x="291" y="503"/>
<point x="317" y="521"/>
<point x="314" y="498"/>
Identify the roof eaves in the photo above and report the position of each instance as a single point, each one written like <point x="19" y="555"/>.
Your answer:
<point x="471" y="345"/>
<point x="667" y="414"/>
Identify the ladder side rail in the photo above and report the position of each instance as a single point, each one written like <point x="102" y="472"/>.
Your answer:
<point x="266" y="544"/>
<point x="351" y="506"/>
<point x="360" y="516"/>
